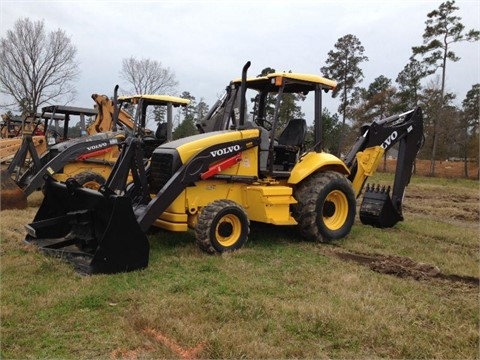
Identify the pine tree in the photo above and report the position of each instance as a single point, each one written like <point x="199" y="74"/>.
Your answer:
<point x="343" y="66"/>
<point x="409" y="81"/>
<point x="470" y="119"/>
<point x="443" y="29"/>
<point x="187" y="126"/>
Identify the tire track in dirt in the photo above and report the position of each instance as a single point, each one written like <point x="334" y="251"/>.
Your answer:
<point x="402" y="267"/>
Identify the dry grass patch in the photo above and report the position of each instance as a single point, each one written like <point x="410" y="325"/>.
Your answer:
<point x="278" y="297"/>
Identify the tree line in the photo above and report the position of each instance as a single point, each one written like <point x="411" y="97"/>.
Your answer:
<point x="39" y="68"/>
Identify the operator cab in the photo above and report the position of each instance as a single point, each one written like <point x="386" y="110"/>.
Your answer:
<point x="59" y="120"/>
<point x="152" y="106"/>
<point x="283" y="128"/>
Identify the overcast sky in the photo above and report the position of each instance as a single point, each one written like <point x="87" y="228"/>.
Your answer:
<point x="206" y="43"/>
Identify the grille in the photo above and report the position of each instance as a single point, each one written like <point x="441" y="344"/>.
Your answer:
<point x="162" y="168"/>
<point x="149" y="145"/>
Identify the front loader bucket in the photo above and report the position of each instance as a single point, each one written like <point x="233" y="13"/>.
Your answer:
<point x="96" y="232"/>
<point x="377" y="208"/>
<point x="12" y="197"/>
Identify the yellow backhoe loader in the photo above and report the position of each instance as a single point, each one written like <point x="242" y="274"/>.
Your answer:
<point x="36" y="138"/>
<point x="88" y="159"/>
<point x="217" y="182"/>
<point x="14" y="127"/>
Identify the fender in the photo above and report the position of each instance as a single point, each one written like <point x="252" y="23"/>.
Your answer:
<point x="313" y="162"/>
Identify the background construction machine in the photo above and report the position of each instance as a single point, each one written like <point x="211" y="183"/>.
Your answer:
<point x="219" y="181"/>
<point x="13" y="128"/>
<point x="33" y="147"/>
<point x="88" y="159"/>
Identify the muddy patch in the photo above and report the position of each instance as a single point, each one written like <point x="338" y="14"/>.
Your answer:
<point x="403" y="267"/>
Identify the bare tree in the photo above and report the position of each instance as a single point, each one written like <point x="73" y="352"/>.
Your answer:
<point x="36" y="68"/>
<point x="148" y="76"/>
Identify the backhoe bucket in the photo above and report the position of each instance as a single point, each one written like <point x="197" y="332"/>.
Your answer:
<point x="97" y="232"/>
<point x="377" y="208"/>
<point x="12" y="197"/>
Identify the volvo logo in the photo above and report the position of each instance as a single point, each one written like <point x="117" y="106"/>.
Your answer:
<point x="389" y="140"/>
<point x="98" y="146"/>
<point x="224" y="151"/>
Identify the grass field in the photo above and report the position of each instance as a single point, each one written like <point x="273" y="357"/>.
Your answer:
<point x="406" y="292"/>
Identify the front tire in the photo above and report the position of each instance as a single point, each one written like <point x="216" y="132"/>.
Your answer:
<point x="90" y="179"/>
<point x="222" y="226"/>
<point x="326" y="206"/>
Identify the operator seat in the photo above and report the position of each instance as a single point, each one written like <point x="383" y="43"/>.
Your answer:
<point x="290" y="142"/>
<point x="294" y="133"/>
<point x="161" y="132"/>
<point x="152" y="140"/>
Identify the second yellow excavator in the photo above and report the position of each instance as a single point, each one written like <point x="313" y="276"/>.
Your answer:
<point x="88" y="159"/>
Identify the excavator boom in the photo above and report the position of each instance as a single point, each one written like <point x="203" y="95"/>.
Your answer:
<point x="104" y="120"/>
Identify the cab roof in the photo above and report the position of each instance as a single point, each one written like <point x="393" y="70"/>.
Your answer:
<point x="295" y="82"/>
<point x="157" y="99"/>
<point x="70" y="110"/>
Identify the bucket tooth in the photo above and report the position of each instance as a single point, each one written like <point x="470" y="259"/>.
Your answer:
<point x="377" y="208"/>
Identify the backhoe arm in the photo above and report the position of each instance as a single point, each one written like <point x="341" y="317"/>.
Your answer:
<point x="104" y="119"/>
<point x="406" y="130"/>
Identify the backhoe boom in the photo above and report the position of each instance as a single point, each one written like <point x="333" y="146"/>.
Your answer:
<point x="406" y="130"/>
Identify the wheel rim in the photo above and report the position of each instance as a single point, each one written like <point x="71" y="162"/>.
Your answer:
<point x="335" y="210"/>
<point x="228" y="230"/>
<point x="91" y="185"/>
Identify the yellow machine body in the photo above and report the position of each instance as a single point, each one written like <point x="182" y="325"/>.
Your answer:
<point x="264" y="200"/>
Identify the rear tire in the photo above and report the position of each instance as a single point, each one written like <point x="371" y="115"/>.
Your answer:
<point x="222" y="226"/>
<point x="326" y="206"/>
<point x="90" y="179"/>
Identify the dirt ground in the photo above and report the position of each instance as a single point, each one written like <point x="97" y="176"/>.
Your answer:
<point x="458" y="206"/>
<point x="402" y="267"/>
